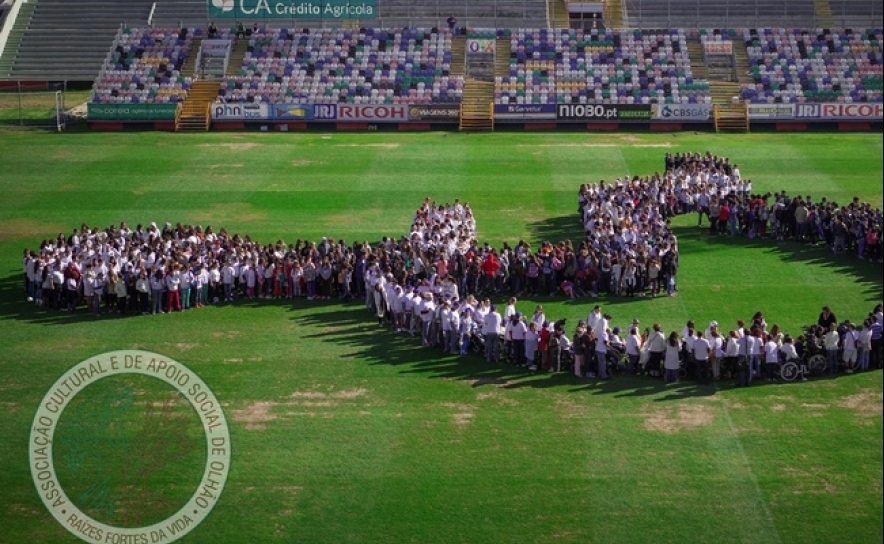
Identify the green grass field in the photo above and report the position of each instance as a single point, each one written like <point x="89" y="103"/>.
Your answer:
<point x="343" y="432"/>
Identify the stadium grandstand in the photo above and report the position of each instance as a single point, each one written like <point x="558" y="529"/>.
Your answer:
<point x="538" y="63"/>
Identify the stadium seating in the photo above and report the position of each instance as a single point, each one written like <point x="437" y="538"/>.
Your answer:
<point x="813" y="65"/>
<point x="560" y="66"/>
<point x="66" y="39"/>
<point x="610" y="66"/>
<point x="144" y="67"/>
<point x="367" y="66"/>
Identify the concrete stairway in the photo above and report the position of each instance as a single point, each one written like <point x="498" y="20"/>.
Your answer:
<point x="729" y="115"/>
<point x="613" y="13"/>
<point x="458" y="54"/>
<point x="698" y="61"/>
<point x="240" y="48"/>
<point x="558" y="16"/>
<point x="475" y="109"/>
<point x="67" y="39"/>
<point x="741" y="64"/>
<point x="822" y="10"/>
<point x="188" y="69"/>
<point x="195" y="115"/>
<point x="504" y="47"/>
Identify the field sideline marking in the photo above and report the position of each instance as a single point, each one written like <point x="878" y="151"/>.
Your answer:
<point x="768" y="515"/>
<point x="594" y="145"/>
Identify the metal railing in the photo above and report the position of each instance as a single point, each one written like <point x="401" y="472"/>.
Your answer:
<point x="747" y="14"/>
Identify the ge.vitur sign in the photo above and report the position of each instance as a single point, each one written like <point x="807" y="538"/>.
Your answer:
<point x="292" y="9"/>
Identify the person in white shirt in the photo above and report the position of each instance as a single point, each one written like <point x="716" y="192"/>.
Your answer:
<point x="850" y="348"/>
<point x="251" y="280"/>
<point x="771" y="358"/>
<point x="754" y="348"/>
<point x="142" y="288"/>
<point x="601" y="352"/>
<point x="864" y="345"/>
<point x="539" y="317"/>
<point x="594" y="316"/>
<point x="467" y="325"/>
<point x="415" y="301"/>
<point x="98" y="292"/>
<point x="426" y="310"/>
<point x="380" y="299"/>
<point x="173" y="283"/>
<point x="671" y="363"/>
<point x="445" y="324"/>
<point x="517" y="332"/>
<point x="656" y="346"/>
<point x="120" y="291"/>
<point x="227" y="276"/>
<point x="454" y="320"/>
<point x="215" y="283"/>
<point x="185" y="287"/>
<point x="831" y="341"/>
<point x="789" y="353"/>
<point x="398" y="303"/>
<point x="507" y="340"/>
<point x="532" y="340"/>
<point x="491" y="330"/>
<point x="633" y="350"/>
<point x="731" y="352"/>
<point x="701" y="350"/>
<point x="717" y="354"/>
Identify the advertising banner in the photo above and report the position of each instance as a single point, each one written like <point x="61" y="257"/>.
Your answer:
<point x="291" y="112"/>
<point x="292" y="9"/>
<point x="475" y="45"/>
<point x="681" y="112"/>
<point x="375" y="113"/>
<point x="603" y="112"/>
<point x="131" y="112"/>
<point x="718" y="48"/>
<point x="834" y="111"/>
<point x="434" y="112"/>
<point x="524" y="111"/>
<point x="771" y="111"/>
<point x="215" y="48"/>
<point x="239" y="111"/>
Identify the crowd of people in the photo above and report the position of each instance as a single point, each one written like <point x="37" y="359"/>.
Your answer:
<point x="747" y="352"/>
<point x="632" y="251"/>
<point x="438" y="280"/>
<point x="713" y="189"/>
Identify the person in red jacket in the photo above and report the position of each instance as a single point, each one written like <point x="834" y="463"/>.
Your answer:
<point x="724" y="214"/>
<point x="489" y="269"/>
<point x="543" y="346"/>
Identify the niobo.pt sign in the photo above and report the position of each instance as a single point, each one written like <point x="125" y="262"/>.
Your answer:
<point x="86" y="373"/>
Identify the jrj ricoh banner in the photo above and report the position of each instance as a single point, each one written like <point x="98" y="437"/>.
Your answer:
<point x="292" y="9"/>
